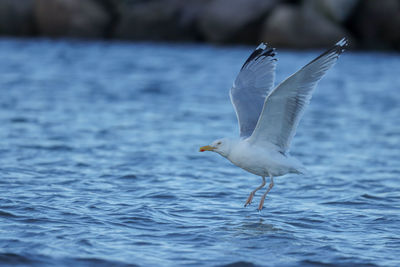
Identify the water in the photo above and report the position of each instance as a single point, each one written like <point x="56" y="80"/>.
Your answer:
<point x="99" y="160"/>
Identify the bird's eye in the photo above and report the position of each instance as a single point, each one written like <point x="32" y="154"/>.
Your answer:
<point x="218" y="143"/>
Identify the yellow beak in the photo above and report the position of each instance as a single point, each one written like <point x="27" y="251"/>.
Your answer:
<point x="206" y="148"/>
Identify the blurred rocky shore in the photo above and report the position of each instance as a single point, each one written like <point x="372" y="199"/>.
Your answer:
<point x="369" y="24"/>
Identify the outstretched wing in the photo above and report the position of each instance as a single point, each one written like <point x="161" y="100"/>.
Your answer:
<point x="285" y="105"/>
<point x="252" y="85"/>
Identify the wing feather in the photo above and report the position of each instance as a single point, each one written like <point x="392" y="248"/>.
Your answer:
<point x="284" y="106"/>
<point x="252" y="85"/>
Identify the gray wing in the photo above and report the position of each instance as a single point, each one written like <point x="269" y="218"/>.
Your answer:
<point x="285" y="105"/>
<point x="252" y="85"/>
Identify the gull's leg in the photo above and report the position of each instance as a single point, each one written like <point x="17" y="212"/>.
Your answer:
<point x="271" y="184"/>
<point x="250" y="198"/>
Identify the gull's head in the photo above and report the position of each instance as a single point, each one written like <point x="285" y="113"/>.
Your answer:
<point x="221" y="146"/>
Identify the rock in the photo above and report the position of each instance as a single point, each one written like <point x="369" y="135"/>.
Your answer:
<point x="71" y="18"/>
<point x="16" y="17"/>
<point x="377" y="24"/>
<point x="336" y="10"/>
<point x="148" y="20"/>
<point x="190" y="13"/>
<point x="159" y="19"/>
<point x="300" y="27"/>
<point x="234" y="20"/>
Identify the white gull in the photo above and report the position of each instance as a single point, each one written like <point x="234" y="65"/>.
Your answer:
<point x="268" y="117"/>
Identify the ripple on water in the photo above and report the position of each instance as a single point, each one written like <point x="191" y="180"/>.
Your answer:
<point x="99" y="161"/>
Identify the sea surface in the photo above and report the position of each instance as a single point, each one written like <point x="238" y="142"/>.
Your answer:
<point x="99" y="161"/>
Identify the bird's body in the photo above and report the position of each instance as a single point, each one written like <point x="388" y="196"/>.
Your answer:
<point x="268" y="116"/>
<point x="261" y="160"/>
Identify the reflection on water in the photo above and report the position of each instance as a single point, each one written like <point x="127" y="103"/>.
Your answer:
<point x="249" y="228"/>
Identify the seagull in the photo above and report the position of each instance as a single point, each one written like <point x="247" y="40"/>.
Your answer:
<point x="268" y="116"/>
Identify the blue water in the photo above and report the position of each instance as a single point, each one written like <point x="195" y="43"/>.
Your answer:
<point x="99" y="161"/>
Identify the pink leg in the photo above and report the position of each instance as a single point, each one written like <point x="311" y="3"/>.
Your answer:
<point x="250" y="198"/>
<point x="265" y="194"/>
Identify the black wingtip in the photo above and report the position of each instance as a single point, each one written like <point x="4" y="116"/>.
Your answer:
<point x="335" y="50"/>
<point x="338" y="48"/>
<point x="261" y="51"/>
<point x="342" y="45"/>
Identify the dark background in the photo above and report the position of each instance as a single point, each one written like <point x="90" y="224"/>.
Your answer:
<point x="369" y="24"/>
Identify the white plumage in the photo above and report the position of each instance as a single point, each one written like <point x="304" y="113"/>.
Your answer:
<point x="268" y="117"/>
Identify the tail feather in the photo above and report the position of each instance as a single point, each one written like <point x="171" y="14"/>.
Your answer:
<point x="300" y="170"/>
<point x="298" y="167"/>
